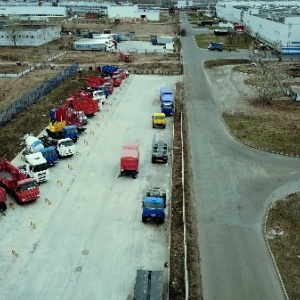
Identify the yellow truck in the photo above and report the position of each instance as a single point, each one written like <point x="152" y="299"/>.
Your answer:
<point x="159" y="120"/>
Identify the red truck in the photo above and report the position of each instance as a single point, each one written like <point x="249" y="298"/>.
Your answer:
<point x="181" y="31"/>
<point x="3" y="199"/>
<point x="23" y="188"/>
<point x="83" y="101"/>
<point x="129" y="161"/>
<point x="124" y="56"/>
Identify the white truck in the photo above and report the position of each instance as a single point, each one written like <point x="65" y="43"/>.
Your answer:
<point x="64" y="147"/>
<point x="36" y="167"/>
<point x="100" y="97"/>
<point x="94" y="45"/>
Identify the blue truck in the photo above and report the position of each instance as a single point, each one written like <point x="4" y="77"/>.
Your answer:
<point x="213" y="46"/>
<point x="50" y="155"/>
<point x="166" y="96"/>
<point x="154" y="205"/>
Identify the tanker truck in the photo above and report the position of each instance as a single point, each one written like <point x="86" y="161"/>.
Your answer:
<point x="34" y="145"/>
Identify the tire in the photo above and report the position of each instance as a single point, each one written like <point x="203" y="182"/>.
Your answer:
<point x="148" y="194"/>
<point x="134" y="175"/>
<point x="164" y="195"/>
<point x="3" y="206"/>
<point x="153" y="126"/>
<point x="144" y="219"/>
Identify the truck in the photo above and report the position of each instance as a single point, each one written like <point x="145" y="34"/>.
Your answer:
<point x="149" y="285"/>
<point x="125" y="56"/>
<point x="129" y="161"/>
<point x="113" y="72"/>
<point x="154" y="205"/>
<point x="160" y="151"/>
<point x="36" y="167"/>
<point x="60" y="130"/>
<point x="34" y="145"/>
<point x="3" y="198"/>
<point x="87" y="44"/>
<point x="181" y="31"/>
<point x="166" y="96"/>
<point x="18" y="184"/>
<point x="213" y="46"/>
<point x="64" y="147"/>
<point x="159" y="120"/>
<point x="70" y="116"/>
<point x="83" y="102"/>
<point x="161" y="40"/>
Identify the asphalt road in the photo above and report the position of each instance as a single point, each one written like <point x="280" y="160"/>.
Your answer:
<point x="233" y="186"/>
<point x="89" y="242"/>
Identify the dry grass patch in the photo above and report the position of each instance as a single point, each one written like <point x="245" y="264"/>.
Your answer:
<point x="285" y="248"/>
<point x="274" y="127"/>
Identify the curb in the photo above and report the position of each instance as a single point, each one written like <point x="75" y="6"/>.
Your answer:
<point x="256" y="147"/>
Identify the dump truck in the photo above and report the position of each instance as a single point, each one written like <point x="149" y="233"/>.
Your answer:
<point x="129" y="161"/>
<point x="160" y="151"/>
<point x="3" y="198"/>
<point x="161" y="40"/>
<point x="213" y="46"/>
<point x="166" y="96"/>
<point x="83" y="102"/>
<point x="60" y="130"/>
<point x="34" y="145"/>
<point x="64" y="147"/>
<point x="154" y="205"/>
<point x="18" y="184"/>
<point x="149" y="285"/>
<point x="36" y="167"/>
<point x="158" y="120"/>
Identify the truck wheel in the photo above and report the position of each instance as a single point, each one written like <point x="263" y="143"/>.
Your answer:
<point x="148" y="194"/>
<point x="3" y="206"/>
<point x="134" y="176"/>
<point x="153" y="126"/>
<point x="144" y="220"/>
<point x="164" y="195"/>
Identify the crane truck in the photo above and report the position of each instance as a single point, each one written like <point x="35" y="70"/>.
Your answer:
<point x="60" y="130"/>
<point x="23" y="188"/>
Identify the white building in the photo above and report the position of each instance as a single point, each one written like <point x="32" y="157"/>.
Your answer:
<point x="274" y="23"/>
<point x="184" y="4"/>
<point x="26" y="11"/>
<point x="28" y="35"/>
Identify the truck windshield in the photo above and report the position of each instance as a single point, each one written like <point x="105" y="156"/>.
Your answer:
<point x="159" y="117"/>
<point x="39" y="168"/>
<point x="49" y="152"/>
<point x="67" y="143"/>
<point x="28" y="185"/>
<point x="71" y="130"/>
<point x="167" y="105"/>
<point x="154" y="205"/>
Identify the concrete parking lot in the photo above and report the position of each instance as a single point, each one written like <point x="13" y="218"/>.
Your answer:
<point x="88" y="239"/>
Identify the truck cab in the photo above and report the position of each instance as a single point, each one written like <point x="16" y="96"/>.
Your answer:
<point x="37" y="167"/>
<point x="27" y="190"/>
<point x="154" y="205"/>
<point x="71" y="132"/>
<point x="65" y="147"/>
<point x="159" y="120"/>
<point x="50" y="155"/>
<point x="3" y="198"/>
<point x="216" y="46"/>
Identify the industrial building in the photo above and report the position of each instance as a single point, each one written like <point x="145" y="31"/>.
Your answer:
<point x="276" y="24"/>
<point x="28" y="35"/>
<point x="62" y="8"/>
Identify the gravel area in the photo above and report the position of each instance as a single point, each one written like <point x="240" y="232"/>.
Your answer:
<point x="230" y="92"/>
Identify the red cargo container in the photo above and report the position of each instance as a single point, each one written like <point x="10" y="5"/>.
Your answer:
<point x="129" y="161"/>
<point x="124" y="56"/>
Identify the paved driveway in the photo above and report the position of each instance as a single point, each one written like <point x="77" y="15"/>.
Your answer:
<point x="233" y="186"/>
<point x="89" y="242"/>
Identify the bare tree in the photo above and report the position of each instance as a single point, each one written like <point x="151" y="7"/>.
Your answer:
<point x="14" y="32"/>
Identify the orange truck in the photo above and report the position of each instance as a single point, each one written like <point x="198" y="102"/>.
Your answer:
<point x="23" y="188"/>
<point x="129" y="161"/>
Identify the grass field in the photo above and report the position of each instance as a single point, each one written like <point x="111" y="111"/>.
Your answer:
<point x="286" y="247"/>
<point x="242" y="41"/>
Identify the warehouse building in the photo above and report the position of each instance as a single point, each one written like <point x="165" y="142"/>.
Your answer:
<point x="276" y="24"/>
<point x="28" y="35"/>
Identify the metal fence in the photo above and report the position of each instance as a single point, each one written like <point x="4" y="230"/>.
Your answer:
<point x="12" y="110"/>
